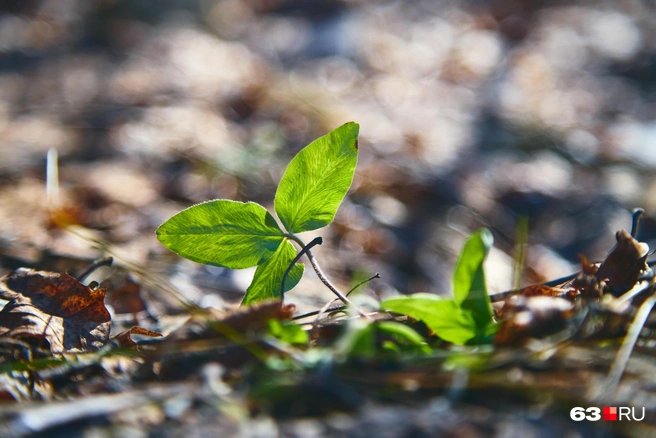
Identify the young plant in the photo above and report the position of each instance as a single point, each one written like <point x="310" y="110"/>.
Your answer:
<point x="240" y="235"/>
<point x="465" y="318"/>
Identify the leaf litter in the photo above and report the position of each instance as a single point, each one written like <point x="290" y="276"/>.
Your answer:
<point x="54" y="311"/>
<point x="561" y="339"/>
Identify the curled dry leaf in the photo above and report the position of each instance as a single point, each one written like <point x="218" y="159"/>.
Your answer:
<point x="625" y="263"/>
<point x="618" y="273"/>
<point x="54" y="311"/>
<point x="586" y="281"/>
<point x="541" y="310"/>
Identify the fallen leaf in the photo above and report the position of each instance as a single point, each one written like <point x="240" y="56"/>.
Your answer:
<point x="533" y="317"/>
<point x="540" y="290"/>
<point x="127" y="298"/>
<point x="586" y="282"/>
<point x="53" y="311"/>
<point x="622" y="267"/>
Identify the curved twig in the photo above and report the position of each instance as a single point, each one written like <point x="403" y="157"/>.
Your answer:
<point x="637" y="215"/>
<point x="306" y="248"/>
<point x="373" y="277"/>
<point x="105" y="261"/>
<point x="325" y="280"/>
<point x="317" y="270"/>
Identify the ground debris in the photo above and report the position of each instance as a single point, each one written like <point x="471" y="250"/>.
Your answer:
<point x="53" y="310"/>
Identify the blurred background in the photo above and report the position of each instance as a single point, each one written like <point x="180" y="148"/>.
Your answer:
<point x="472" y="113"/>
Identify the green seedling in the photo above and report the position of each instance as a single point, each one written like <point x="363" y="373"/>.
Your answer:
<point x="365" y="339"/>
<point x="466" y="318"/>
<point x="240" y="235"/>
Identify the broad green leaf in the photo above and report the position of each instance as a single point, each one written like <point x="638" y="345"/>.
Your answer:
<point x="317" y="180"/>
<point x="223" y="233"/>
<point x="442" y="315"/>
<point x="469" y="289"/>
<point x="268" y="276"/>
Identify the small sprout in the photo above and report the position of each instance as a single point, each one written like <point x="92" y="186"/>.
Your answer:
<point x="465" y="318"/>
<point x="240" y="235"/>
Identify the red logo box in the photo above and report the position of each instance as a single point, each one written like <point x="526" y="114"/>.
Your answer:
<point x="610" y="413"/>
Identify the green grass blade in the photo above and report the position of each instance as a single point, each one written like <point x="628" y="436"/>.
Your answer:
<point x="223" y="233"/>
<point x="469" y="288"/>
<point x="317" y="180"/>
<point x="519" y="257"/>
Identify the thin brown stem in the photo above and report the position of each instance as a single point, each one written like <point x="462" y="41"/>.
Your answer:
<point x="320" y="273"/>
<point x="105" y="261"/>
<point x="373" y="277"/>
<point x="325" y="280"/>
<point x="301" y="253"/>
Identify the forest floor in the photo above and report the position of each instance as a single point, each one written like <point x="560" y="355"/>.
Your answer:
<point x="115" y="115"/>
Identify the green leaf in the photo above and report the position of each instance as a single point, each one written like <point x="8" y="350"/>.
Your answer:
<point x="288" y="332"/>
<point x="468" y="315"/>
<point x="402" y="331"/>
<point x="469" y="289"/>
<point x="469" y="358"/>
<point x="492" y="329"/>
<point x="317" y="180"/>
<point x="359" y="340"/>
<point x="268" y="276"/>
<point x="442" y="315"/>
<point x="223" y="233"/>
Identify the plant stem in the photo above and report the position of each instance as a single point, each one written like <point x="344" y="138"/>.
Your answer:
<point x="637" y="214"/>
<point x="376" y="275"/>
<point x="317" y="269"/>
<point x="304" y="249"/>
<point x="316" y="312"/>
<point x="105" y="261"/>
<point x="324" y="280"/>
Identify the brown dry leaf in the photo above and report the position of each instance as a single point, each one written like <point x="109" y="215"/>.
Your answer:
<point x="540" y="290"/>
<point x="586" y="281"/>
<point x="538" y="310"/>
<point x="536" y="290"/>
<point x="617" y="274"/>
<point x="533" y="317"/>
<point x="124" y="339"/>
<point x="127" y="298"/>
<point x="624" y="264"/>
<point x="54" y="310"/>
